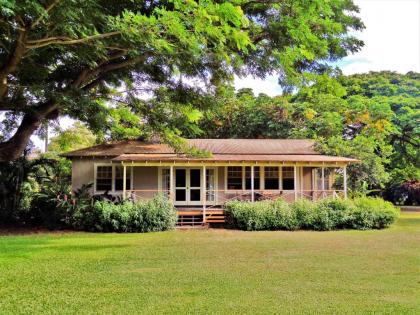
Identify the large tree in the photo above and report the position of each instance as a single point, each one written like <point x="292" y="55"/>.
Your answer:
<point x="93" y="60"/>
<point x="374" y="117"/>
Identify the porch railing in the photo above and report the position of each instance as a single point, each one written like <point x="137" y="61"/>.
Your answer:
<point x="219" y="197"/>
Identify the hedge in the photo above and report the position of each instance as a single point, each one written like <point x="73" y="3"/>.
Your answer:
<point x="157" y="214"/>
<point x="328" y="214"/>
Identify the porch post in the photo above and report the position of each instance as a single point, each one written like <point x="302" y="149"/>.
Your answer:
<point x="323" y="180"/>
<point x="124" y="181"/>
<point x="171" y="183"/>
<point x="345" y="181"/>
<point x="204" y="193"/>
<point x="252" y="183"/>
<point x="295" y="181"/>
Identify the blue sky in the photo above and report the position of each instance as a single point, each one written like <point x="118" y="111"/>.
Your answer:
<point x="392" y="42"/>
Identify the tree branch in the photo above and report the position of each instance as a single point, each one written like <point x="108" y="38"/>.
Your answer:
<point x="13" y="62"/>
<point x="85" y="80"/>
<point x="83" y="76"/>
<point x="13" y="148"/>
<point x="63" y="40"/>
<point x="47" y="10"/>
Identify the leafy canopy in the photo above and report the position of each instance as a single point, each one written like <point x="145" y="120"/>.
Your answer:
<point x="132" y="68"/>
<point x="373" y="117"/>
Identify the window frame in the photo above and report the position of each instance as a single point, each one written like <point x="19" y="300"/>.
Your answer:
<point x="292" y="171"/>
<point x="242" y="178"/>
<point x="257" y="179"/>
<point x="279" y="177"/>
<point x="262" y="177"/>
<point x="130" y="172"/>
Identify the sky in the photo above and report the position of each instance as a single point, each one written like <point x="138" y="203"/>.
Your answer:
<point x="392" y="42"/>
<point x="391" y="37"/>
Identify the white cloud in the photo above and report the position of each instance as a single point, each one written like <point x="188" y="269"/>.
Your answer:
<point x="392" y="37"/>
<point x="392" y="42"/>
<point x="269" y="86"/>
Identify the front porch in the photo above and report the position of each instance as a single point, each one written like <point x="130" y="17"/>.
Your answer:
<point x="200" y="191"/>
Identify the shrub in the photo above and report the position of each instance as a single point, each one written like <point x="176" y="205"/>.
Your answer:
<point x="262" y="215"/>
<point x="246" y="215"/>
<point x="156" y="214"/>
<point x="373" y="213"/>
<point x="305" y="213"/>
<point x="327" y="214"/>
<point x="284" y="218"/>
<point x="330" y="214"/>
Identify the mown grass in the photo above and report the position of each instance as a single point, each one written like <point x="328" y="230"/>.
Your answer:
<point x="214" y="272"/>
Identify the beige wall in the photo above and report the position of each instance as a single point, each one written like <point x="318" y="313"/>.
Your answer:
<point x="82" y="171"/>
<point x="145" y="178"/>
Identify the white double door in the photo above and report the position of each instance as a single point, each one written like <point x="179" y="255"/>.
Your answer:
<point x="189" y="186"/>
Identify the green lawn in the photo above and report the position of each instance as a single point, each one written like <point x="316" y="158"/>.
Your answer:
<point x="214" y="272"/>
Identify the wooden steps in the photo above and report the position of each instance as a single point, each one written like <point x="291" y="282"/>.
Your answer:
<point x="194" y="217"/>
<point x="215" y="216"/>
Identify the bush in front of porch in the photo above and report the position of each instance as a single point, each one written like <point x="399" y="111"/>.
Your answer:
<point x="156" y="214"/>
<point x="328" y="214"/>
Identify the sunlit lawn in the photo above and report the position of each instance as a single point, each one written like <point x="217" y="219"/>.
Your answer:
<point x="214" y="272"/>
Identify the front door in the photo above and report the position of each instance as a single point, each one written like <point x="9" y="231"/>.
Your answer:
<point x="188" y="183"/>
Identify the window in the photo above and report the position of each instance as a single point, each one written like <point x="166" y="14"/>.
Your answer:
<point x="119" y="176"/>
<point x="328" y="173"/>
<point x="248" y="177"/>
<point x="104" y="178"/>
<point x="318" y="178"/>
<point x="166" y="181"/>
<point x="288" y="178"/>
<point x="110" y="178"/>
<point x="234" y="177"/>
<point x="210" y="184"/>
<point x="271" y="177"/>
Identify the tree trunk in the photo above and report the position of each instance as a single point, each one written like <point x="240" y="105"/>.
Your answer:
<point x="13" y="148"/>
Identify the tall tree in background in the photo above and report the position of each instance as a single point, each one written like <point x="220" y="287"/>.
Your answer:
<point x="374" y="117"/>
<point x="73" y="138"/>
<point x="92" y="59"/>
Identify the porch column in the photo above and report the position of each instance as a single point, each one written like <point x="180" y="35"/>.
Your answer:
<point x="204" y="193"/>
<point x="345" y="181"/>
<point x="323" y="180"/>
<point x="124" y="181"/>
<point x="295" y="181"/>
<point x="252" y="183"/>
<point x="171" y="183"/>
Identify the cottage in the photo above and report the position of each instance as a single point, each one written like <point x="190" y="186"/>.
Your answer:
<point x="245" y="169"/>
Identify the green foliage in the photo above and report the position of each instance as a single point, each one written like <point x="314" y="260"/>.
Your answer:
<point x="372" y="213"/>
<point x="76" y="137"/>
<point x="93" y="60"/>
<point x="263" y="215"/>
<point x="324" y="215"/>
<point x="51" y="204"/>
<point x="330" y="214"/>
<point x="305" y="212"/>
<point x="20" y="180"/>
<point x="156" y="214"/>
<point x="371" y="117"/>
